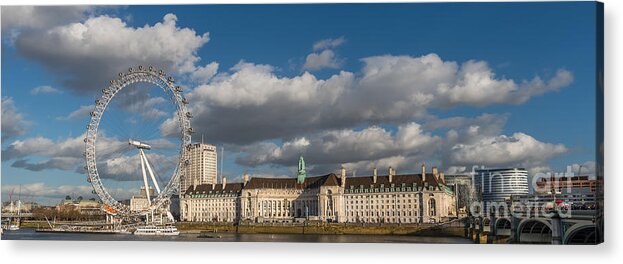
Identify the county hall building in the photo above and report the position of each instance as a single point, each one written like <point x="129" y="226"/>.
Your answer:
<point x="389" y="198"/>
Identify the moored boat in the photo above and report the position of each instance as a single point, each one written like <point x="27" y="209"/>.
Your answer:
<point x="152" y="230"/>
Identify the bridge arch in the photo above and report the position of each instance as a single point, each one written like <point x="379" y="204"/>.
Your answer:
<point x="535" y="231"/>
<point x="581" y="234"/>
<point x="502" y="227"/>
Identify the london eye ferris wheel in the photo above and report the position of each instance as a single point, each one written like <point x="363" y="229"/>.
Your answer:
<point x="135" y="141"/>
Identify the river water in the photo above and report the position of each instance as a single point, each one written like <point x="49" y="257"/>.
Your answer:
<point x="30" y="234"/>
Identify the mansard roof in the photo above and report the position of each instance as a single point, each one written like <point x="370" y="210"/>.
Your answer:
<point x="318" y="181"/>
<point x="397" y="180"/>
<point x="291" y="183"/>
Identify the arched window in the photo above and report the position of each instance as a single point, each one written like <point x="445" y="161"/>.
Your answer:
<point x="329" y="203"/>
<point x="432" y="207"/>
<point x="248" y="209"/>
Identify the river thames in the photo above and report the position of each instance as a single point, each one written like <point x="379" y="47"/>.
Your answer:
<point x="30" y="234"/>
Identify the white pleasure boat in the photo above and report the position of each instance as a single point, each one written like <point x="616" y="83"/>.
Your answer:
<point x="152" y="230"/>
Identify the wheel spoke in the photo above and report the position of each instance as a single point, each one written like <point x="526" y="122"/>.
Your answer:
<point x="131" y="92"/>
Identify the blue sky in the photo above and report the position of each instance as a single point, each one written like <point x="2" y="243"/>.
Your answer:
<point x="255" y="46"/>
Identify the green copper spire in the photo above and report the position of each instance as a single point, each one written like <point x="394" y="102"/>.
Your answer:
<point x="302" y="173"/>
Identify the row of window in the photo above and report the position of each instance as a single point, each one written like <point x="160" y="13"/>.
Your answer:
<point x="381" y="190"/>
<point x="391" y="220"/>
<point x="380" y="214"/>
<point x="361" y="207"/>
<point x="387" y="202"/>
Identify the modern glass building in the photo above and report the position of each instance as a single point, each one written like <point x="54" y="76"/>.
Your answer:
<point x="500" y="184"/>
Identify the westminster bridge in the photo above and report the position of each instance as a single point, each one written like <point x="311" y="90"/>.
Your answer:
<point x="540" y="224"/>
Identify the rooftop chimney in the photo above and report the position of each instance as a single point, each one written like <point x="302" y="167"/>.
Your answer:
<point x="441" y="176"/>
<point x="343" y="176"/>
<point x="423" y="172"/>
<point x="246" y="178"/>
<point x="435" y="171"/>
<point x="374" y="177"/>
<point x="391" y="173"/>
<point x="224" y="182"/>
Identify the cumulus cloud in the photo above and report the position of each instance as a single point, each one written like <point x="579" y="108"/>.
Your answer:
<point x="251" y="103"/>
<point x="467" y="142"/>
<point x="127" y="167"/>
<point x="429" y="81"/>
<point x="41" y="146"/>
<point x="345" y="146"/>
<point x="116" y="159"/>
<point x="140" y="101"/>
<point x="324" y="59"/>
<point x="37" y="17"/>
<point x="468" y="129"/>
<point x="478" y="86"/>
<point x="518" y="149"/>
<point x="44" y="89"/>
<point x="204" y="73"/>
<point x="13" y="122"/>
<point x="87" y="54"/>
<point x="323" y="55"/>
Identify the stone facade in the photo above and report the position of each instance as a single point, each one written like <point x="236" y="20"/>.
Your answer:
<point x="202" y="166"/>
<point x="139" y="202"/>
<point x="391" y="198"/>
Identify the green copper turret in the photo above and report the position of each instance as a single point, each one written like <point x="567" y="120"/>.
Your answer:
<point x="301" y="173"/>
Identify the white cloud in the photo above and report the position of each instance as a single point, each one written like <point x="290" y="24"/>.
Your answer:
<point x="400" y="163"/>
<point x="467" y="130"/>
<point x="586" y="168"/>
<point x="127" y="167"/>
<point x="204" y="73"/>
<point x="429" y="81"/>
<point x="116" y="159"/>
<point x="329" y="43"/>
<point x="13" y="122"/>
<point x="251" y="103"/>
<point x="476" y="85"/>
<point x="324" y="59"/>
<point x="89" y="53"/>
<point x="44" y="89"/>
<point x="345" y="146"/>
<point x="516" y="150"/>
<point x="451" y="170"/>
<point x="323" y="55"/>
<point x="82" y="112"/>
<point x="37" y="17"/>
<point x="407" y="147"/>
<point x="40" y="189"/>
<point x="41" y="146"/>
<point x="170" y="127"/>
<point x="139" y="100"/>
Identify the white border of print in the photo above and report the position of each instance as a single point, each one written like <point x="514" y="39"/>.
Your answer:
<point x="180" y="252"/>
